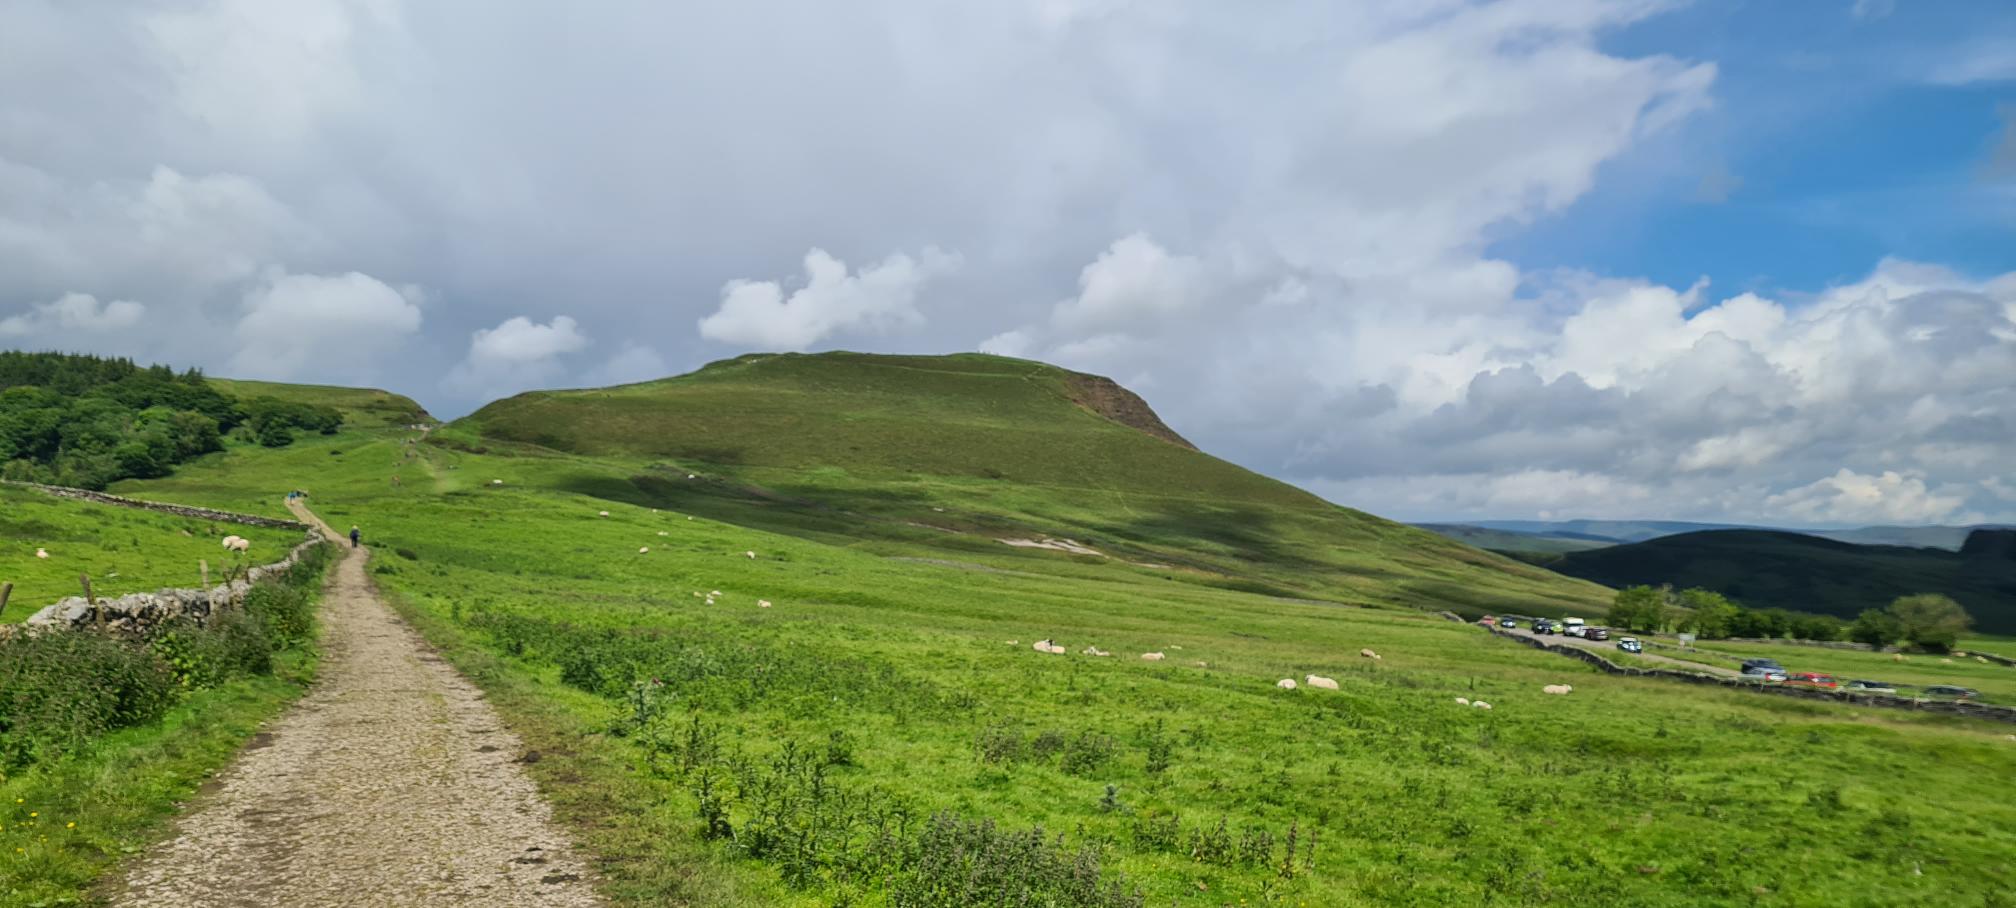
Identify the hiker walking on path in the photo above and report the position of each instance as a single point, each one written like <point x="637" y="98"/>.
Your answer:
<point x="355" y="534"/>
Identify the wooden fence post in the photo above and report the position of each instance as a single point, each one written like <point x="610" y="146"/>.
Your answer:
<point x="6" y="590"/>
<point x="88" y="600"/>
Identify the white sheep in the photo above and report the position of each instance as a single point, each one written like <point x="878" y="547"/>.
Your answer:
<point x="601" y="513"/>
<point x="1046" y="646"/>
<point x="697" y="594"/>
<point x="644" y="550"/>
<point x="42" y="553"/>
<point x="1368" y="654"/>
<point x="1896" y="657"/>
<point x="691" y="476"/>
<point x="1320" y="681"/>
<point x="1285" y="684"/>
<point x="230" y="541"/>
<point x="1556" y="689"/>
<point x="1014" y="643"/>
<point x="1480" y="704"/>
<point x="663" y="533"/>
<point x="750" y="554"/>
<point x="713" y="593"/>
<point x="762" y="603"/>
<point x="1462" y="701"/>
<point x="1203" y="664"/>
<point x="496" y="482"/>
<point x="1151" y="657"/>
<point x="1095" y="651"/>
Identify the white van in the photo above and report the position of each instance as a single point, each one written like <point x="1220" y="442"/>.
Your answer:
<point x="1574" y="627"/>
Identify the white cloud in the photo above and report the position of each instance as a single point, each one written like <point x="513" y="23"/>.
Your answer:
<point x="517" y="355"/>
<point x="339" y="325"/>
<point x="1132" y="280"/>
<point x="1848" y="497"/>
<point x="875" y="299"/>
<point x="73" y="312"/>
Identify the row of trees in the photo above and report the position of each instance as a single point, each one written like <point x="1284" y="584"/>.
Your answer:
<point x="88" y="421"/>
<point x="1928" y="620"/>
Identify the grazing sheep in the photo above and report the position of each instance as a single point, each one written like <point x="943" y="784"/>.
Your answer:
<point x="1203" y="664"/>
<point x="496" y="482"/>
<point x="41" y="553"/>
<point x="762" y="603"/>
<point x="1369" y="654"/>
<point x="1095" y="651"/>
<point x="1556" y="689"/>
<point x="1480" y="704"/>
<point x="750" y="554"/>
<point x="713" y="593"/>
<point x="1285" y="684"/>
<point x="644" y="550"/>
<point x="1152" y="657"/>
<point x="1320" y="681"/>
<point x="1462" y="701"/>
<point x="601" y="513"/>
<point x="1896" y="657"/>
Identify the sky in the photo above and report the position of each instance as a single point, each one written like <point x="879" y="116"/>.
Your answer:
<point x="1435" y="259"/>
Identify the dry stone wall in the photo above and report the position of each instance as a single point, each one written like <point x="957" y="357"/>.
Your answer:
<point x="180" y="510"/>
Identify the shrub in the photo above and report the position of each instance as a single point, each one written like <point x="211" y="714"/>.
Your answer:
<point x="59" y="691"/>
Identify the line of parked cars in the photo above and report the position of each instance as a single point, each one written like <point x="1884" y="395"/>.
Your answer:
<point x="1770" y="672"/>
<point x="1764" y="670"/>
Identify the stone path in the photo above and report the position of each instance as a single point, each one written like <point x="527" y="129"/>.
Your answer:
<point x="391" y="783"/>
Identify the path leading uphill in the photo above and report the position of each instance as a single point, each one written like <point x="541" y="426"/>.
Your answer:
<point x="391" y="783"/>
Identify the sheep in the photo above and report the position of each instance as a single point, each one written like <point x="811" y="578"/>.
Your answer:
<point x="663" y="533"/>
<point x="1945" y="662"/>
<point x="42" y="553"/>
<point x="697" y="594"/>
<point x="713" y="594"/>
<point x="751" y="555"/>
<point x="1320" y="681"/>
<point x="496" y="482"/>
<point x="691" y="476"/>
<point x="1368" y="654"/>
<point x="1896" y="657"/>
<point x="1151" y="657"/>
<point x="1480" y="704"/>
<point x="762" y="603"/>
<point x="237" y="543"/>
<point x="1203" y="664"/>
<point x="1014" y="643"/>
<point x="601" y="513"/>
<point x="1096" y="651"/>
<point x="1046" y="646"/>
<point x="644" y="550"/>
<point x="1462" y="701"/>
<point x="1556" y="689"/>
<point x="1285" y="684"/>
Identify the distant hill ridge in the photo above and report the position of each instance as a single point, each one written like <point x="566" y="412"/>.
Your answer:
<point x="1777" y="569"/>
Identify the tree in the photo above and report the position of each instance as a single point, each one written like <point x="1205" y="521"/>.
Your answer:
<point x="1639" y="608"/>
<point x="1931" y="620"/>
<point x="1713" y="613"/>
<point x="1814" y="627"/>
<point x="1876" y="627"/>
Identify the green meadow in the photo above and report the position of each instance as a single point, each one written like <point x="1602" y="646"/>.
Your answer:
<point x="1997" y="683"/>
<point x="123" y="550"/>
<point x="883" y="732"/>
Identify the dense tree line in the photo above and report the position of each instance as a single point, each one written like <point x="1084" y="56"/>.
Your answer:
<point x="1929" y="621"/>
<point x="88" y="421"/>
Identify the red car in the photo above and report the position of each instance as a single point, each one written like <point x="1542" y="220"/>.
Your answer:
<point x="1811" y="679"/>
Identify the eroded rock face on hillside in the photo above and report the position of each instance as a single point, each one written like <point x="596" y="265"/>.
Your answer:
<point x="1107" y="398"/>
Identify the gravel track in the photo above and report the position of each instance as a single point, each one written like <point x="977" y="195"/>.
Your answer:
<point x="390" y="783"/>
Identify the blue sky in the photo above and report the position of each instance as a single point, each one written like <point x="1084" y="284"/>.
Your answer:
<point x="1832" y="143"/>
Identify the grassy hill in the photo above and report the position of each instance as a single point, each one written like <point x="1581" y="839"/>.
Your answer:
<point x="896" y="657"/>
<point x="361" y="407"/>
<point x="965" y="452"/>
<point x="1768" y="568"/>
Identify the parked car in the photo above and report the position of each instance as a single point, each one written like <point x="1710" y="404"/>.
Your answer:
<point x="1487" y="621"/>
<point x="1510" y="621"/>
<point x="1544" y="626"/>
<point x="1760" y="673"/>
<point x="1630" y="645"/>
<point x="1951" y="692"/>
<point x="1870" y="687"/>
<point x="1597" y="633"/>
<point x="1574" y="627"/>
<point x="1811" y="679"/>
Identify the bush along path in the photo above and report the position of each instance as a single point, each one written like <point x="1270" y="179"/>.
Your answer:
<point x="391" y="783"/>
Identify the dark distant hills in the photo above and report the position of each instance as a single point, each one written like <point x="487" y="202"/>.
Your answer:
<point x="1577" y="535"/>
<point x="1807" y="573"/>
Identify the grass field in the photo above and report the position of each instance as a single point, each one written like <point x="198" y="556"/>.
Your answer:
<point x="362" y="408"/>
<point x="124" y="550"/>
<point x="726" y="753"/>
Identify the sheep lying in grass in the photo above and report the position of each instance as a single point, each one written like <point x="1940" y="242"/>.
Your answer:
<point x="1462" y="701"/>
<point x="1285" y="684"/>
<point x="496" y="482"/>
<point x="750" y="554"/>
<point x="644" y="550"/>
<point x="1046" y="646"/>
<point x="1095" y="651"/>
<point x="1480" y="704"/>
<point x="762" y="603"/>
<point x="663" y="533"/>
<point x="42" y="553"/>
<point x="601" y="513"/>
<point x="1370" y="654"/>
<point x="1320" y="681"/>
<point x="1558" y="689"/>
<point x="1152" y="657"/>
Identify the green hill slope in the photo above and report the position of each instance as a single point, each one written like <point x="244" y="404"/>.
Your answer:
<point x="363" y="408"/>
<point x="1771" y="569"/>
<point x="966" y="452"/>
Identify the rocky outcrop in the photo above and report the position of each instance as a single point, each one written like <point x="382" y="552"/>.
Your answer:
<point x="1109" y="399"/>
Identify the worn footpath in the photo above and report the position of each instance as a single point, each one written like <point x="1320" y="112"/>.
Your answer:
<point x="390" y="783"/>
